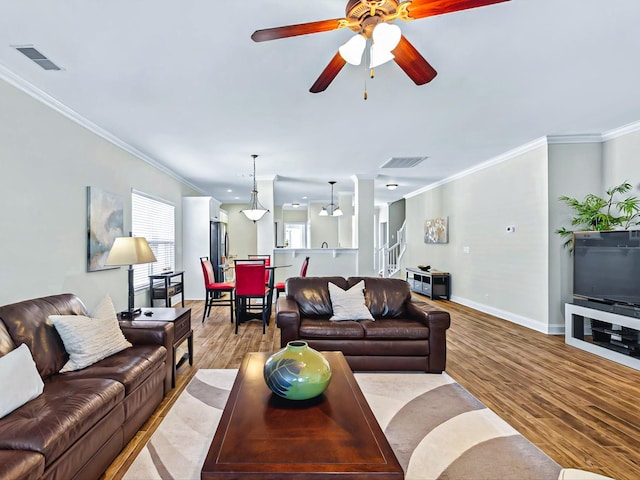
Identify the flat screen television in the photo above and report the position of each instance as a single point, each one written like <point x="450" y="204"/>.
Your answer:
<point x="606" y="267"/>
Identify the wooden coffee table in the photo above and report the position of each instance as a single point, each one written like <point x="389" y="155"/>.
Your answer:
<point x="261" y="435"/>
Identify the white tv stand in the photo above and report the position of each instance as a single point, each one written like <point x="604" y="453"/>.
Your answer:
<point x="610" y="326"/>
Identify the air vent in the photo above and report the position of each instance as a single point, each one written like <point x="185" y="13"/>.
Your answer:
<point x="33" y="54"/>
<point x="403" y="162"/>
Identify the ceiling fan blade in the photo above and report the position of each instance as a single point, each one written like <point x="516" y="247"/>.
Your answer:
<point x="413" y="64"/>
<point x="328" y="74"/>
<point x="299" y="29"/>
<point x="429" y="8"/>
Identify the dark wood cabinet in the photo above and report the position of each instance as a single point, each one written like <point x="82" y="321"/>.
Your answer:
<point x="433" y="283"/>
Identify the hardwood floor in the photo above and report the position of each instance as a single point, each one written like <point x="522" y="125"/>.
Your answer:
<point x="580" y="409"/>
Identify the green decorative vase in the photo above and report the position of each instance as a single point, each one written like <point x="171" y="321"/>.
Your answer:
<point x="297" y="372"/>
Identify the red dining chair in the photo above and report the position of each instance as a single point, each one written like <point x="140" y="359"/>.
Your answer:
<point x="280" y="286"/>
<point x="215" y="291"/>
<point x="267" y="263"/>
<point x="250" y="275"/>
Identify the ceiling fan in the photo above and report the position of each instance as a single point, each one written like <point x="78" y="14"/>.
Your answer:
<point x="371" y="20"/>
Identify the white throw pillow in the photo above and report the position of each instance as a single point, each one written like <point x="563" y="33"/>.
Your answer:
<point x="349" y="304"/>
<point x="90" y="339"/>
<point x="20" y="379"/>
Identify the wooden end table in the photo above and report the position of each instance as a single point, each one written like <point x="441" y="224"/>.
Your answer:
<point x="181" y="319"/>
<point x="263" y="436"/>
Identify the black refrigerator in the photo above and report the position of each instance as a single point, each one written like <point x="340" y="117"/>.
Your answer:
<point x="219" y="248"/>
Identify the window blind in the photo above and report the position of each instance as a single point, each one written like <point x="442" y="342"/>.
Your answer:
<point x="153" y="219"/>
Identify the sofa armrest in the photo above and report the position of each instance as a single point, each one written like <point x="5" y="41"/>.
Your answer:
<point x="152" y="333"/>
<point x="438" y="322"/>
<point x="287" y="319"/>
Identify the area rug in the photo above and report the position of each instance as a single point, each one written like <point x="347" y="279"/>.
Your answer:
<point x="437" y="429"/>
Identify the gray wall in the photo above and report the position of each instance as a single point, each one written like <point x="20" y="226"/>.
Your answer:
<point x="396" y="219"/>
<point x="48" y="161"/>
<point x="502" y="273"/>
<point x="526" y="276"/>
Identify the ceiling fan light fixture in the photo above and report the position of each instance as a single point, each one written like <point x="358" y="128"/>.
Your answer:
<point x="254" y="211"/>
<point x="351" y="51"/>
<point x="386" y="36"/>
<point x="379" y="55"/>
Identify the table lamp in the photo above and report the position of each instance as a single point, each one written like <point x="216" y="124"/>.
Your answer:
<point x="130" y="251"/>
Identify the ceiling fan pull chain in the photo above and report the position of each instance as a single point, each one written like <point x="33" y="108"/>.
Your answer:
<point x="365" y="80"/>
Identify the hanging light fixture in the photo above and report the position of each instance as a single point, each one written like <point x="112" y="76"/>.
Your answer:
<point x="254" y="211"/>
<point x="332" y="209"/>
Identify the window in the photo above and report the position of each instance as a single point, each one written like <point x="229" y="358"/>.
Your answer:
<point x="295" y="235"/>
<point x="153" y="219"/>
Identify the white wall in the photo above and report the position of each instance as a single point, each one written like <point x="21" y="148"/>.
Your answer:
<point x="48" y="161"/>
<point x="243" y="236"/>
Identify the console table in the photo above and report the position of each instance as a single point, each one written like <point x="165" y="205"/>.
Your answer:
<point x="162" y="286"/>
<point x="433" y="283"/>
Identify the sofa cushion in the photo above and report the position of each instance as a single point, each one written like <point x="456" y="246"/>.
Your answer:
<point x="395" y="328"/>
<point x="21" y="464"/>
<point x="130" y="367"/>
<point x="65" y="411"/>
<point x="312" y="294"/>
<point x="6" y="344"/>
<point x="348" y="304"/>
<point x="385" y="297"/>
<point x="90" y="339"/>
<point x="322" y="328"/>
<point x="27" y="322"/>
<point x="18" y="370"/>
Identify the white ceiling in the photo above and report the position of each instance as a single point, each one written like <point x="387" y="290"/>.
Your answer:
<point x="182" y="83"/>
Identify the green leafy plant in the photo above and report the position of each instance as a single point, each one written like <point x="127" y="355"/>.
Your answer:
<point x="597" y="213"/>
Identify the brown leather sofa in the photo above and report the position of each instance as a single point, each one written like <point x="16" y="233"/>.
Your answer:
<point x="83" y="419"/>
<point x="407" y="334"/>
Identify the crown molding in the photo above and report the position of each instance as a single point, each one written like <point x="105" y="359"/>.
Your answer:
<point x="522" y="149"/>
<point x="621" y="131"/>
<point x="39" y="95"/>
<point x="582" y="138"/>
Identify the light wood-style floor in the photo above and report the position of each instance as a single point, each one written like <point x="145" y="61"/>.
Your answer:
<point x="580" y="409"/>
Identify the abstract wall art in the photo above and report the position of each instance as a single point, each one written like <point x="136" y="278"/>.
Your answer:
<point x="105" y="222"/>
<point x="436" y="231"/>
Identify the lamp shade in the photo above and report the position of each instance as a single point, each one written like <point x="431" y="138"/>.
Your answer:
<point x="130" y="251"/>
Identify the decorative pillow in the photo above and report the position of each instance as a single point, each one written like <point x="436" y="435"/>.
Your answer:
<point x="20" y="379"/>
<point x="349" y="304"/>
<point x="90" y="339"/>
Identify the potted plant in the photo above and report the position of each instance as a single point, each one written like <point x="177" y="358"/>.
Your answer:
<point x="597" y="213"/>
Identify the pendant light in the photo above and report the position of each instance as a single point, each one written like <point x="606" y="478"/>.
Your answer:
<point x="254" y="211"/>
<point x="332" y="209"/>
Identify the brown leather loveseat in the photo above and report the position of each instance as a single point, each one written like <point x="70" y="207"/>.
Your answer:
<point x="407" y="334"/>
<point x="83" y="418"/>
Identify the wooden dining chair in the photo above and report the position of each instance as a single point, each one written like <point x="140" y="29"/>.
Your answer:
<point x="215" y="291"/>
<point x="250" y="284"/>
<point x="280" y="286"/>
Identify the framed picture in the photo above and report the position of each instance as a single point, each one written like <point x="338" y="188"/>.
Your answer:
<point x="436" y="231"/>
<point x="105" y="222"/>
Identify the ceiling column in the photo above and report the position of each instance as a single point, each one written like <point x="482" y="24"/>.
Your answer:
<point x="345" y="222"/>
<point x="364" y="229"/>
<point x="265" y="227"/>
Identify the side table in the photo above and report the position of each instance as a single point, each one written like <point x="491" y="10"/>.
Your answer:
<point x="163" y="286"/>
<point x="181" y="319"/>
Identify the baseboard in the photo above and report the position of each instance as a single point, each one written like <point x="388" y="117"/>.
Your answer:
<point x="511" y="317"/>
